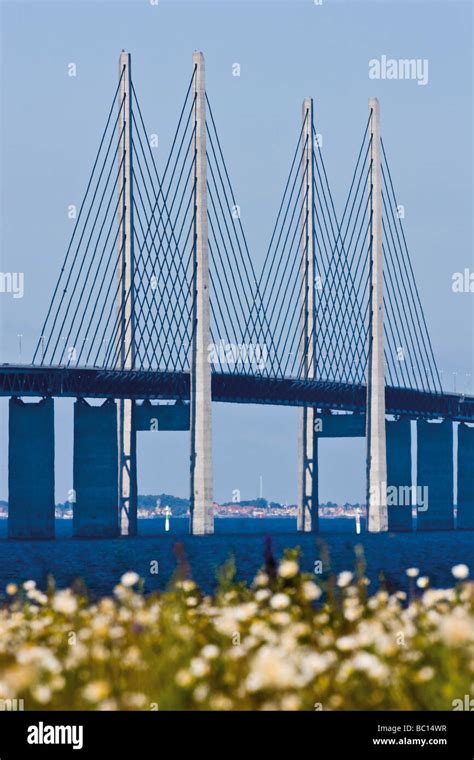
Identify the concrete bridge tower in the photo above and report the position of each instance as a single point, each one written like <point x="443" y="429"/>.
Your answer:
<point x="376" y="430"/>
<point x="201" y="485"/>
<point x="127" y="453"/>
<point x="307" y="439"/>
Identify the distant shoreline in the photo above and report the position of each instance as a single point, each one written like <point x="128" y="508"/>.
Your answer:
<point x="222" y="517"/>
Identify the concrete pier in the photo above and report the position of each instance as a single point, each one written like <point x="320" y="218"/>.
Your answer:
<point x="435" y="472"/>
<point x="201" y="480"/>
<point x="308" y="476"/>
<point x="159" y="417"/>
<point x="95" y="470"/>
<point x="31" y="469"/>
<point x="308" y="491"/>
<point x="376" y="441"/>
<point x="126" y="434"/>
<point x="399" y="478"/>
<point x="465" y="477"/>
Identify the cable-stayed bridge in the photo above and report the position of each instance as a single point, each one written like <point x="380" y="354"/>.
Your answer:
<point x="158" y="299"/>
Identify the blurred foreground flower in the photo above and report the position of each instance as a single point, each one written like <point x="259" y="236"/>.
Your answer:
<point x="286" y="642"/>
<point x="460" y="571"/>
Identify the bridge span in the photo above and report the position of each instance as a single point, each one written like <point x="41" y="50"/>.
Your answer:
<point x="158" y="300"/>
<point x="89" y="382"/>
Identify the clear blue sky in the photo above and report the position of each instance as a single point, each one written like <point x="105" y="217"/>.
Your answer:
<point x="51" y="124"/>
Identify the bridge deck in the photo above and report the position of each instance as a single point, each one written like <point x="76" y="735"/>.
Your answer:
<point x="27" y="380"/>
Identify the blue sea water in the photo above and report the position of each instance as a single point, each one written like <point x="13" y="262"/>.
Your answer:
<point x="101" y="562"/>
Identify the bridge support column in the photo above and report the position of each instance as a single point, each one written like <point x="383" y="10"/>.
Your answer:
<point x="31" y="469"/>
<point x="399" y="480"/>
<point x="307" y="439"/>
<point x="127" y="475"/>
<point x="126" y="434"/>
<point x="465" y="477"/>
<point x="201" y="485"/>
<point x="308" y="481"/>
<point x="376" y="434"/>
<point x="95" y="469"/>
<point x="435" y="474"/>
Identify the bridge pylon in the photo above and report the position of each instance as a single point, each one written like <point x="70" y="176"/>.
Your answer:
<point x="307" y="439"/>
<point x="201" y="480"/>
<point x="127" y="453"/>
<point x="377" y="517"/>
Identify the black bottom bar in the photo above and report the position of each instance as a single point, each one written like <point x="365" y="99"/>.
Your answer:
<point x="134" y="734"/>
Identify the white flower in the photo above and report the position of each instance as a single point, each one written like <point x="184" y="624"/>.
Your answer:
<point x="280" y="601"/>
<point x="290" y="702"/>
<point x="210" y="651"/>
<point x="288" y="568"/>
<point x="281" y="618"/>
<point x="262" y="631"/>
<point x="40" y="656"/>
<point x="314" y="663"/>
<point x="236" y="652"/>
<point x="346" y="643"/>
<point x="271" y="668"/>
<point x="107" y="705"/>
<point x="96" y="691"/>
<point x="5" y="690"/>
<point x="245" y="611"/>
<point x="76" y="655"/>
<point x="186" y="585"/>
<point x="433" y="616"/>
<point x="41" y="693"/>
<point x="422" y="581"/>
<point x="201" y="692"/>
<point x="412" y="572"/>
<point x="37" y="596"/>
<point x="64" y="602"/>
<point x="310" y="591"/>
<point x="262" y="594"/>
<point x="183" y="678"/>
<point x="460" y="571"/>
<point x="434" y="595"/>
<point x="134" y="699"/>
<point x="425" y="674"/>
<point x="456" y="629"/>
<point x="57" y="683"/>
<point x="352" y="612"/>
<point x="261" y="579"/>
<point x="28" y="585"/>
<point x="129" y="579"/>
<point x="299" y="629"/>
<point x="226" y="622"/>
<point x="370" y="664"/>
<point x="344" y="578"/>
<point x="220" y="702"/>
<point x="198" y="667"/>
